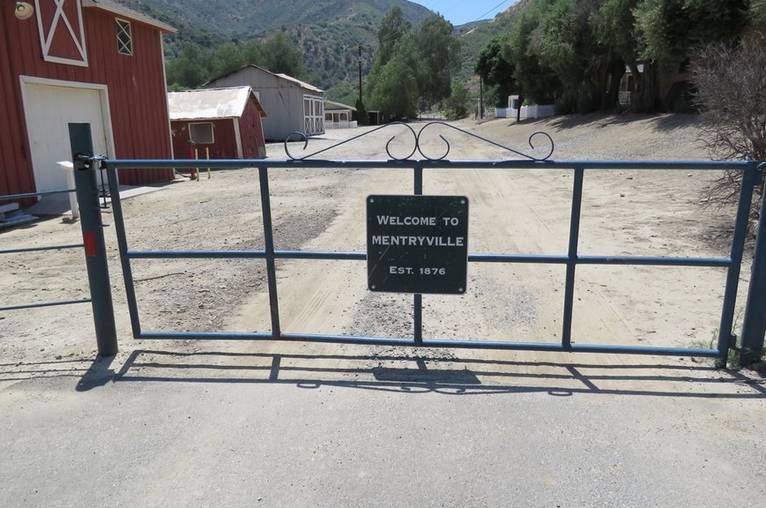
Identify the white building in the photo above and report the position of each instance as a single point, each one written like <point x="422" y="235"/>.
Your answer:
<point x="338" y="116"/>
<point x="291" y="105"/>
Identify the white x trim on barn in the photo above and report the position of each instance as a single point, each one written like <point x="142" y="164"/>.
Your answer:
<point x="48" y="33"/>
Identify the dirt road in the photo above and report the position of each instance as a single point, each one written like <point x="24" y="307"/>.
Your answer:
<point x="654" y="212"/>
<point x="242" y="423"/>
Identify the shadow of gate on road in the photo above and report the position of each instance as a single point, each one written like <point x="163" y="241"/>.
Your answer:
<point x="392" y="371"/>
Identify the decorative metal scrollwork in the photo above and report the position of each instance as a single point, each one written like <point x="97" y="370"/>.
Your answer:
<point x="303" y="137"/>
<point x="481" y="138"/>
<point x="418" y="143"/>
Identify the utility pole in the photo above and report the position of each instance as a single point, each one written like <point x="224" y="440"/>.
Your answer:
<point x="361" y="98"/>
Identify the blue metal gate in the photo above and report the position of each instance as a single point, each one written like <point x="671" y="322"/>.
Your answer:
<point x="48" y="248"/>
<point x="87" y="191"/>
<point x="750" y="172"/>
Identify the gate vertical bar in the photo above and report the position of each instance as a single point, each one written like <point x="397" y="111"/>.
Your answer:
<point x="574" y="238"/>
<point x="754" y="325"/>
<point x="268" y="239"/>
<point x="726" y="337"/>
<point x="95" y="255"/>
<point x="122" y="245"/>
<point x="418" y="298"/>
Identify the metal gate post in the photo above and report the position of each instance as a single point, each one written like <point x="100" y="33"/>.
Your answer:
<point x="726" y="337"/>
<point x="754" y="325"/>
<point x="95" y="254"/>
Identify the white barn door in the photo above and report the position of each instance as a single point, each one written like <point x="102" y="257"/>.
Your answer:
<point x="49" y="109"/>
<point x="313" y="115"/>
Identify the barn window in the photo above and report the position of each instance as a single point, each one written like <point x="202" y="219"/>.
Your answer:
<point x="124" y="37"/>
<point x="201" y="133"/>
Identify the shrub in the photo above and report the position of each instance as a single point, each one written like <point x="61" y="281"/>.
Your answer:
<point x="730" y="82"/>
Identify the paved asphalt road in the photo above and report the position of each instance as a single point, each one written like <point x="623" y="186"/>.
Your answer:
<point x="294" y="425"/>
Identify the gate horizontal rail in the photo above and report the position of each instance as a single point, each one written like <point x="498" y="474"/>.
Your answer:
<point x="42" y="249"/>
<point x="32" y="195"/>
<point x="697" y="165"/>
<point x="44" y="304"/>
<point x="443" y="343"/>
<point x="47" y="248"/>
<point x="476" y="258"/>
<point x="571" y="259"/>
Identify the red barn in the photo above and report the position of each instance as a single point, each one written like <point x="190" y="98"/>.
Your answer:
<point x="79" y="61"/>
<point x="224" y="123"/>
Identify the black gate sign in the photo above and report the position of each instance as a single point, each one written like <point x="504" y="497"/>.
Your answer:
<point x="417" y="244"/>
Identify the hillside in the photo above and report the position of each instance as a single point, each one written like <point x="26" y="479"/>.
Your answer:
<point x="327" y="31"/>
<point x="474" y="36"/>
<point x="248" y="18"/>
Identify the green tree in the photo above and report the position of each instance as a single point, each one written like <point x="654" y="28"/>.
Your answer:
<point x="495" y="70"/>
<point x="396" y="90"/>
<point x="435" y="55"/>
<point x="456" y="105"/>
<point x="175" y="87"/>
<point x="564" y="42"/>
<point x="282" y="55"/>
<point x="758" y="15"/>
<point x="574" y="52"/>
<point x="538" y="82"/>
<point x="392" y="30"/>
<point x="668" y="31"/>
<point x="253" y="53"/>
<point x="190" y="69"/>
<point x="613" y="26"/>
<point x="226" y="58"/>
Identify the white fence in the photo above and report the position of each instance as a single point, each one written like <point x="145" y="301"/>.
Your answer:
<point x="345" y="124"/>
<point x="530" y="112"/>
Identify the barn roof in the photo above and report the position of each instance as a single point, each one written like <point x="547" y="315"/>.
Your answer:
<point x="337" y="106"/>
<point x="121" y="10"/>
<point x="211" y="103"/>
<point x="303" y="84"/>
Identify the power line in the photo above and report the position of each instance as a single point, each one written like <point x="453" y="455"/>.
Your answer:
<point x="492" y="9"/>
<point x="428" y="5"/>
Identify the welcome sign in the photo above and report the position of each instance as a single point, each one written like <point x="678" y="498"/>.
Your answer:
<point x="417" y="244"/>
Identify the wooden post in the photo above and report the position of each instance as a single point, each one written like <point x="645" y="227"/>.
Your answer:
<point x="207" y="154"/>
<point x="195" y="171"/>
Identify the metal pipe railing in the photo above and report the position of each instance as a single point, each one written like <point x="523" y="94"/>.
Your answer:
<point x="571" y="259"/>
<point x="42" y="249"/>
<point x="30" y="195"/>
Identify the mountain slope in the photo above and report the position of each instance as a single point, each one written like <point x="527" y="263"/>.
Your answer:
<point x="249" y="18"/>
<point x="474" y="36"/>
<point x="328" y="32"/>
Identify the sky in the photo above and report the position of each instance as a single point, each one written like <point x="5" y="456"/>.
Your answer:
<point x="465" y="11"/>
